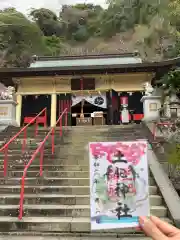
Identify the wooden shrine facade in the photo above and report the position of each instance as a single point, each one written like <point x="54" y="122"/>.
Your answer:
<point x="118" y="86"/>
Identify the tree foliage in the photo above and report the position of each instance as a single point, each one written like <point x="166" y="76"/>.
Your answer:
<point x="153" y="28"/>
<point x="47" y="21"/>
<point x="19" y="38"/>
<point x="170" y="83"/>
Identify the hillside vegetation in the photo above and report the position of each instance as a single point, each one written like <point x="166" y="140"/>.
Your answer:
<point x="150" y="27"/>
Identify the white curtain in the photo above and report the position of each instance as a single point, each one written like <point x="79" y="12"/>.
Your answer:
<point x="96" y="100"/>
<point x="76" y="100"/>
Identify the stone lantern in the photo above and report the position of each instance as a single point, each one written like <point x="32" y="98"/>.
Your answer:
<point x="151" y="103"/>
<point x="172" y="106"/>
<point x="7" y="107"/>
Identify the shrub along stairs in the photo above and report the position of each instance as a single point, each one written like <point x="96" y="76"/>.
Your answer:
<point x="58" y="203"/>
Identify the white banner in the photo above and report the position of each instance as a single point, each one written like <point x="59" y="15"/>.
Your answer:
<point x="76" y="100"/>
<point x="96" y="100"/>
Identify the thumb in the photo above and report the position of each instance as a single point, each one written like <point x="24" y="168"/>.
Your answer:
<point x="150" y="229"/>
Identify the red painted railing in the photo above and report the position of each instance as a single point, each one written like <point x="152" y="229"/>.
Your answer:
<point x="40" y="150"/>
<point x="24" y="131"/>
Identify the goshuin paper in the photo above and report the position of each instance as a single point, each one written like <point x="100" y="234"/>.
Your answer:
<point x="118" y="184"/>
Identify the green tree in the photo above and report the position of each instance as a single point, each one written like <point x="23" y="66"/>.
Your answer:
<point x="80" y="21"/>
<point x="53" y="44"/>
<point x="47" y="21"/>
<point x="19" y="38"/>
<point x="170" y="82"/>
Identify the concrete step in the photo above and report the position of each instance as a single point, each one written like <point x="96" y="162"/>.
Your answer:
<point x="58" y="225"/>
<point x="63" y="210"/>
<point x="55" y="181"/>
<point x="78" y="190"/>
<point x="16" y="156"/>
<point x="48" y="181"/>
<point x="18" y="151"/>
<point x="28" y="146"/>
<point x="47" y="154"/>
<point x="30" y="142"/>
<point x="50" y="167"/>
<point x="61" y="199"/>
<point x="64" y="236"/>
<point x="63" y="173"/>
<point x="47" y="173"/>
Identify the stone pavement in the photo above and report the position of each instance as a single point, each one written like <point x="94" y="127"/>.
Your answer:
<point x="67" y="238"/>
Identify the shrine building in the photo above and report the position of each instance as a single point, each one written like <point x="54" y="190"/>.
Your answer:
<point x="97" y="90"/>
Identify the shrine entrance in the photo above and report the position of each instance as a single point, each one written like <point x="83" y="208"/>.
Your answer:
<point x="89" y="109"/>
<point x="32" y="105"/>
<point x="85" y="114"/>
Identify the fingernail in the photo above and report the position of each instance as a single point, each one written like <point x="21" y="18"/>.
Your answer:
<point x="142" y="220"/>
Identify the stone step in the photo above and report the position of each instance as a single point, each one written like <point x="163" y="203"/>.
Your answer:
<point x="49" y="167"/>
<point x="63" y="236"/>
<point x="65" y="173"/>
<point x="48" y="181"/>
<point x="55" y="181"/>
<point x="63" y="154"/>
<point x="61" y="199"/>
<point x="47" y="173"/>
<point x="18" y="155"/>
<point x="62" y="210"/>
<point x="17" y="143"/>
<point x="123" y="137"/>
<point x="116" y="134"/>
<point x="59" y="225"/>
<point x="78" y="190"/>
<point x="32" y="147"/>
<point x="18" y="152"/>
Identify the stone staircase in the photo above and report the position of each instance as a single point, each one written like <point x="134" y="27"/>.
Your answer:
<point x="57" y="204"/>
<point x="7" y="133"/>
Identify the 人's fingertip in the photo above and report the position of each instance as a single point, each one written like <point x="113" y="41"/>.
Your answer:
<point x="138" y="229"/>
<point x="142" y="220"/>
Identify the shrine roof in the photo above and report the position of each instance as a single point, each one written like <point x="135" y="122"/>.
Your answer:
<point x="100" y="68"/>
<point x="83" y="61"/>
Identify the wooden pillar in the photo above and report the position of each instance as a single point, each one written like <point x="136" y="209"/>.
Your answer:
<point x="53" y="109"/>
<point x="18" y="109"/>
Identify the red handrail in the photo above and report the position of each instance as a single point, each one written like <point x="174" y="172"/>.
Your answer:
<point x="41" y="150"/>
<point x="24" y="129"/>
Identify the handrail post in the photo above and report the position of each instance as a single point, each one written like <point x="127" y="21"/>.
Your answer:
<point x="5" y="160"/>
<point x="21" y="198"/>
<point x="46" y="117"/>
<point x="66" y="118"/>
<point x="52" y="140"/>
<point x="60" y="126"/>
<point x="36" y="129"/>
<point x="24" y="140"/>
<point x="154" y="131"/>
<point x="41" y="161"/>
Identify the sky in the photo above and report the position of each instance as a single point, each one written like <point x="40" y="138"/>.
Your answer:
<point x="55" y="5"/>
